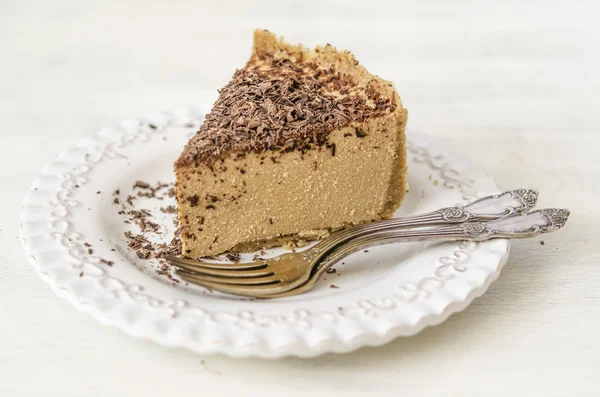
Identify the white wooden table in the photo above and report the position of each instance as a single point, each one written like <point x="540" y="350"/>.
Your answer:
<point x="511" y="84"/>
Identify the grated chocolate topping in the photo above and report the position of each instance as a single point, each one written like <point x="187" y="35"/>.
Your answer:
<point x="281" y="105"/>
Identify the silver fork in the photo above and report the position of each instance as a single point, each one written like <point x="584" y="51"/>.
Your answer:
<point x="276" y="285"/>
<point x="289" y="271"/>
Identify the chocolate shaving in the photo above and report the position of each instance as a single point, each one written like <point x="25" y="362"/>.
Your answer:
<point x="276" y="104"/>
<point x="109" y="263"/>
<point x="233" y="257"/>
<point x="147" y="250"/>
<point x="141" y="185"/>
<point x="171" y="209"/>
<point x="130" y="200"/>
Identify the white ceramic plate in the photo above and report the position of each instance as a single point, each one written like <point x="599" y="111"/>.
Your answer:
<point x="390" y="291"/>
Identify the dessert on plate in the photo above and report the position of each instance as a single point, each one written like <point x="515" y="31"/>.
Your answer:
<point x="299" y="143"/>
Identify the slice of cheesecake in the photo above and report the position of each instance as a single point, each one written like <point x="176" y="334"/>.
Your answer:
<point x="300" y="142"/>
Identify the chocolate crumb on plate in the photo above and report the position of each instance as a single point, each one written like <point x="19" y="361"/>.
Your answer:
<point x="171" y="209"/>
<point x="145" y="219"/>
<point x="233" y="257"/>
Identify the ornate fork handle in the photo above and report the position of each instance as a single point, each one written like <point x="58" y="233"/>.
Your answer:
<point x="513" y="226"/>
<point x="484" y="209"/>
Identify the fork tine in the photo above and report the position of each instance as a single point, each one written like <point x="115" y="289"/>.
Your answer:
<point x="243" y="290"/>
<point x="260" y="272"/>
<point x="183" y="262"/>
<point x="226" y="273"/>
<point x="237" y="281"/>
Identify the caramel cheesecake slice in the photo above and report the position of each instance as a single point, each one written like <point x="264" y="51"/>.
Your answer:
<point x="300" y="142"/>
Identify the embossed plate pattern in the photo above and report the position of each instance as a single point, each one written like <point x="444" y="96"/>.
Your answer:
<point x="375" y="296"/>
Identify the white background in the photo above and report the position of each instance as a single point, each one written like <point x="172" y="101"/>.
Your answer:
<point x="512" y="84"/>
